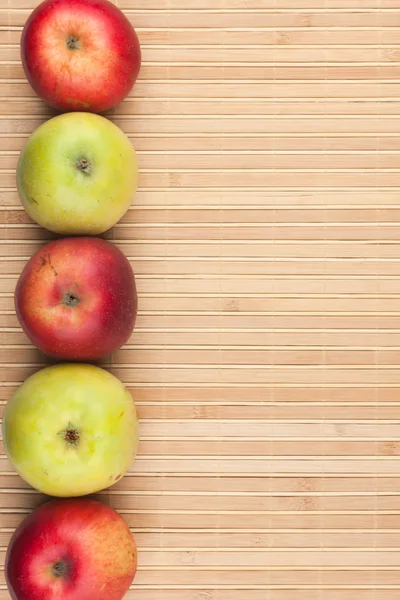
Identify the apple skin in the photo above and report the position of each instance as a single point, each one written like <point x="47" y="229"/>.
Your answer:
<point x="76" y="299"/>
<point x="77" y="174"/>
<point x="75" y="549"/>
<point x="71" y="430"/>
<point x="80" y="54"/>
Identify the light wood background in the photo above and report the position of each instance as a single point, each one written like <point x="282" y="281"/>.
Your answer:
<point x="265" y="240"/>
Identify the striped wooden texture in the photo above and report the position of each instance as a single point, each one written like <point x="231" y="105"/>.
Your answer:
<point x="265" y="240"/>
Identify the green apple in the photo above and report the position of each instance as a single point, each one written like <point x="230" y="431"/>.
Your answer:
<point x="71" y="430"/>
<point x="77" y="174"/>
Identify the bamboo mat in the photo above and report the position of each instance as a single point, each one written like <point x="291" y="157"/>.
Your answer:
<point x="265" y="240"/>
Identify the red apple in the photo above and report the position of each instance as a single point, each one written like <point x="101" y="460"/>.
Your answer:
<point x="76" y="299"/>
<point x="76" y="549"/>
<point x="80" y="54"/>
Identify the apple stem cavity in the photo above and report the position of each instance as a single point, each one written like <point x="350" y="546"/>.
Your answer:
<point x="84" y="165"/>
<point x="69" y="299"/>
<point x="73" y="43"/>
<point x="59" y="569"/>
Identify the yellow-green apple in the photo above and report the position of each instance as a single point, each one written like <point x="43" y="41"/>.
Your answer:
<point x="77" y="174"/>
<point x="80" y="54"/>
<point x="76" y="299"/>
<point x="76" y="549"/>
<point x="71" y="430"/>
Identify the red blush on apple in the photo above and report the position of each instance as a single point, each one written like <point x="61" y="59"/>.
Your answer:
<point x="80" y="55"/>
<point x="77" y="549"/>
<point x="76" y="299"/>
